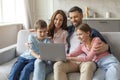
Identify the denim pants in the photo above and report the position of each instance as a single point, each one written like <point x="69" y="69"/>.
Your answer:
<point x="42" y="69"/>
<point x="99" y="74"/>
<point x="21" y="69"/>
<point x="111" y="66"/>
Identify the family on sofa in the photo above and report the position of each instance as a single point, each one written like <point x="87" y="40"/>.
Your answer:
<point x="89" y="42"/>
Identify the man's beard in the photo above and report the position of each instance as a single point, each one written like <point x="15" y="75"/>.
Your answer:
<point x="76" y="25"/>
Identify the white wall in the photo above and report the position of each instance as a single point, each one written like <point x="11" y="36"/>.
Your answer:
<point x="44" y="8"/>
<point x="41" y="9"/>
<point x="99" y="6"/>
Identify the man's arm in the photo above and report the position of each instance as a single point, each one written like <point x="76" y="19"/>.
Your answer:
<point x="102" y="47"/>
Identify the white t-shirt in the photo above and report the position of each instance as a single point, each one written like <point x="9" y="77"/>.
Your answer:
<point x="74" y="41"/>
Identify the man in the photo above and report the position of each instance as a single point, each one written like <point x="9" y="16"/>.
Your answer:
<point x="61" y="68"/>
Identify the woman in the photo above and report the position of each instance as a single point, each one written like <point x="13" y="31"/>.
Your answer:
<point x="57" y="27"/>
<point x="57" y="32"/>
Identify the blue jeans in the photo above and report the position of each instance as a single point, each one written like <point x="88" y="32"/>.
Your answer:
<point x="111" y="66"/>
<point x="99" y="74"/>
<point x="21" y="69"/>
<point x="42" y="69"/>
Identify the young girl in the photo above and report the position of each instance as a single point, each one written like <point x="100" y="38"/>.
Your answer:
<point x="105" y="60"/>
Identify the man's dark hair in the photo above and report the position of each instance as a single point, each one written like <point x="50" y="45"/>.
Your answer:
<point x="76" y="8"/>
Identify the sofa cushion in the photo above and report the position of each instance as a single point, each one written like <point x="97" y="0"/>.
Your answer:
<point x="5" y="69"/>
<point x="113" y="39"/>
<point x="7" y="54"/>
<point x="71" y="76"/>
<point x="21" y="40"/>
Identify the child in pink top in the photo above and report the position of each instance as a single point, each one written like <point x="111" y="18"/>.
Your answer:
<point x="105" y="60"/>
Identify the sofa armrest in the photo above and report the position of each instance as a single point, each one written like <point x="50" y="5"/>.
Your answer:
<point x="7" y="54"/>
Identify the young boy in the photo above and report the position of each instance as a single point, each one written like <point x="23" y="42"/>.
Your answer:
<point x="25" y="63"/>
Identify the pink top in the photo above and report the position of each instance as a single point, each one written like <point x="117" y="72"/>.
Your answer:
<point x="90" y="54"/>
<point x="60" y="36"/>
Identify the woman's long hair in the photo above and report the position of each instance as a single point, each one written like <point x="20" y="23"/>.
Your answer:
<point x="51" y="26"/>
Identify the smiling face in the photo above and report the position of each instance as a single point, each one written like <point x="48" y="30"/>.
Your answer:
<point x="83" y="36"/>
<point x="58" y="21"/>
<point x="41" y="33"/>
<point x="76" y="18"/>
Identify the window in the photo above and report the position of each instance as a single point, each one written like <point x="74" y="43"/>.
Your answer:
<point x="8" y="10"/>
<point x="12" y="11"/>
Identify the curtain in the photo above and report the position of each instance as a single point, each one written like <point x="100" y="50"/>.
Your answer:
<point x="24" y="13"/>
<point x="28" y="14"/>
<point x="16" y="11"/>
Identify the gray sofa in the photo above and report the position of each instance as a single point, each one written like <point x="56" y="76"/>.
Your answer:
<point x="9" y="54"/>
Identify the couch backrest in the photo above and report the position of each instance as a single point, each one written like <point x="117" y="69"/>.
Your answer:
<point x="113" y="39"/>
<point x="21" y="40"/>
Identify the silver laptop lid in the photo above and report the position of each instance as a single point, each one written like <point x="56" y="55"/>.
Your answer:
<point x="53" y="52"/>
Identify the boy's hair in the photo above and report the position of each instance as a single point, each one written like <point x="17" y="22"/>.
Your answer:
<point x="40" y="24"/>
<point x="76" y="8"/>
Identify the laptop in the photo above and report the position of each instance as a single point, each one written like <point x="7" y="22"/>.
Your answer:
<point x="52" y="51"/>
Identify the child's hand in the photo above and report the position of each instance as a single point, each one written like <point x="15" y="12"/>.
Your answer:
<point x="67" y="55"/>
<point x="68" y="58"/>
<point x="72" y="58"/>
<point x="32" y="30"/>
<point x="38" y="57"/>
<point x="27" y="45"/>
<point x="50" y="38"/>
